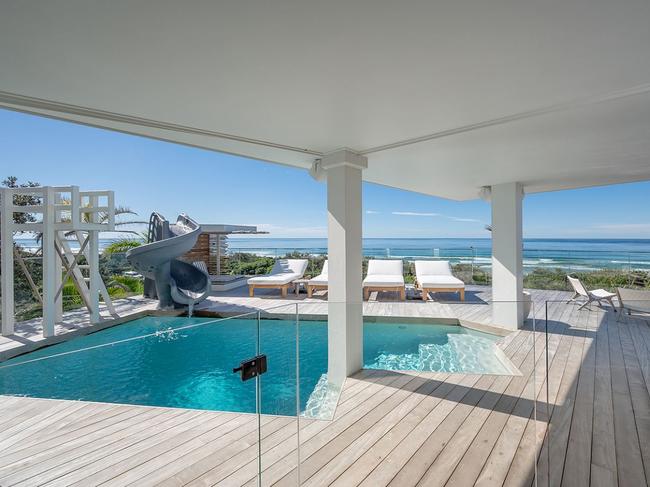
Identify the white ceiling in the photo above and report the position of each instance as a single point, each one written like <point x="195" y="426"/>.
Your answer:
<point x="553" y="94"/>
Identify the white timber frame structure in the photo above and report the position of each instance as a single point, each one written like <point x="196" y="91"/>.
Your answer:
<point x="63" y="215"/>
<point x="398" y="94"/>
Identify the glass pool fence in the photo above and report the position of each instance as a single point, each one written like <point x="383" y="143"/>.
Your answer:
<point x="543" y="269"/>
<point x="254" y="399"/>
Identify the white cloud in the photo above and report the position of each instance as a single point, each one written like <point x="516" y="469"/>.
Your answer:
<point x="452" y="218"/>
<point x="284" y="231"/>
<point x="456" y="219"/>
<point x="372" y="212"/>
<point x="413" y="213"/>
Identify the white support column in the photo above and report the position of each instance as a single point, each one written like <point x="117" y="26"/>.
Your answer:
<point x="49" y="263"/>
<point x="345" y="309"/>
<point x="7" y="264"/>
<point x="93" y="271"/>
<point x="507" y="263"/>
<point x="93" y="264"/>
<point x="58" y="264"/>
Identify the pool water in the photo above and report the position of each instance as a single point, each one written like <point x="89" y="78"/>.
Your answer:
<point x="192" y="368"/>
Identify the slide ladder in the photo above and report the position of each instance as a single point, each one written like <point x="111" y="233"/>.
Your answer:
<point x="80" y="273"/>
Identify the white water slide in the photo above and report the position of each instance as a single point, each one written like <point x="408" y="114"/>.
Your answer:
<point x="177" y="282"/>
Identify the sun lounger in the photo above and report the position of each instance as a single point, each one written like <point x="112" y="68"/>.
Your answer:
<point x="597" y="295"/>
<point x="283" y="273"/>
<point x="436" y="276"/>
<point x="384" y="275"/>
<point x="318" y="282"/>
<point x="634" y="300"/>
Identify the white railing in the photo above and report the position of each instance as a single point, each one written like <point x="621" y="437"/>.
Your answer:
<point x="56" y="211"/>
<point x="61" y="208"/>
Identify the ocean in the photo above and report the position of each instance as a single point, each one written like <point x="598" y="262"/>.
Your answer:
<point x="571" y="254"/>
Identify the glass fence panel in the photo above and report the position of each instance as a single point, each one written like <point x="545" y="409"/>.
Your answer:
<point x="443" y="383"/>
<point x="281" y="395"/>
<point x="434" y="389"/>
<point x="597" y="370"/>
<point x="543" y="268"/>
<point x="198" y="411"/>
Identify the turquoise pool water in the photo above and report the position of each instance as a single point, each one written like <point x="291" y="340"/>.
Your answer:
<point x="192" y="368"/>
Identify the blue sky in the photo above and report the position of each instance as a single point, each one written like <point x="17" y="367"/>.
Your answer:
<point x="149" y="175"/>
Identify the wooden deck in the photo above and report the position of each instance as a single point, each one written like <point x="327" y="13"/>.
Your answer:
<point x="475" y="311"/>
<point x="390" y="428"/>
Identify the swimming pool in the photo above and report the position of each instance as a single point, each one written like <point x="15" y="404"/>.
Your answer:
<point x="192" y="368"/>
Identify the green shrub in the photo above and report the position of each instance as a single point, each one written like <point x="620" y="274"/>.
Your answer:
<point x="249" y="264"/>
<point x="610" y="279"/>
<point x="128" y="284"/>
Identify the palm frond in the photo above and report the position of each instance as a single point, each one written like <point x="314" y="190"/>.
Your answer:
<point x="122" y="246"/>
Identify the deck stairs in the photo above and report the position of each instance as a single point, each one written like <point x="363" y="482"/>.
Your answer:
<point x="79" y="273"/>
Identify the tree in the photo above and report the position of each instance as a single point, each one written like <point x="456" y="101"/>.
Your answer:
<point x="122" y="246"/>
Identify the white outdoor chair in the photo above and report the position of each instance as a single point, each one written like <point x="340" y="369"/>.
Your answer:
<point x="321" y="281"/>
<point x="384" y="275"/>
<point x="634" y="300"/>
<point x="283" y="273"/>
<point x="597" y="295"/>
<point x="436" y="276"/>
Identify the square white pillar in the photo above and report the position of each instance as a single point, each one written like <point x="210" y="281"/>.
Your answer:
<point x="7" y="264"/>
<point x="93" y="264"/>
<point x="507" y="263"/>
<point x="58" y="262"/>
<point x="345" y="309"/>
<point x="49" y="263"/>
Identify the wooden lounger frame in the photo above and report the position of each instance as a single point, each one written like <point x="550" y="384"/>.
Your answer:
<point x="427" y="290"/>
<point x="400" y="289"/>
<point x="284" y="288"/>
<point x="314" y="287"/>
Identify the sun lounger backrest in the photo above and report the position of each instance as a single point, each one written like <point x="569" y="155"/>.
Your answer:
<point x="385" y="267"/>
<point x="577" y="286"/>
<point x="290" y="266"/>
<point x="432" y="268"/>
<point x="324" y="271"/>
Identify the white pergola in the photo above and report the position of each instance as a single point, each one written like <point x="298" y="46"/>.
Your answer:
<point x="452" y="99"/>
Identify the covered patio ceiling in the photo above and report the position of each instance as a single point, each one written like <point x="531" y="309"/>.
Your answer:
<point x="443" y="98"/>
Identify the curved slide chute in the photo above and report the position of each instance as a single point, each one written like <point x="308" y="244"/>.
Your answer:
<point x="177" y="282"/>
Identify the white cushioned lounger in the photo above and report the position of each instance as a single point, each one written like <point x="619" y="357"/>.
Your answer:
<point x="319" y="282"/>
<point x="634" y="300"/>
<point x="283" y="273"/>
<point x="384" y="275"/>
<point x="436" y="276"/>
